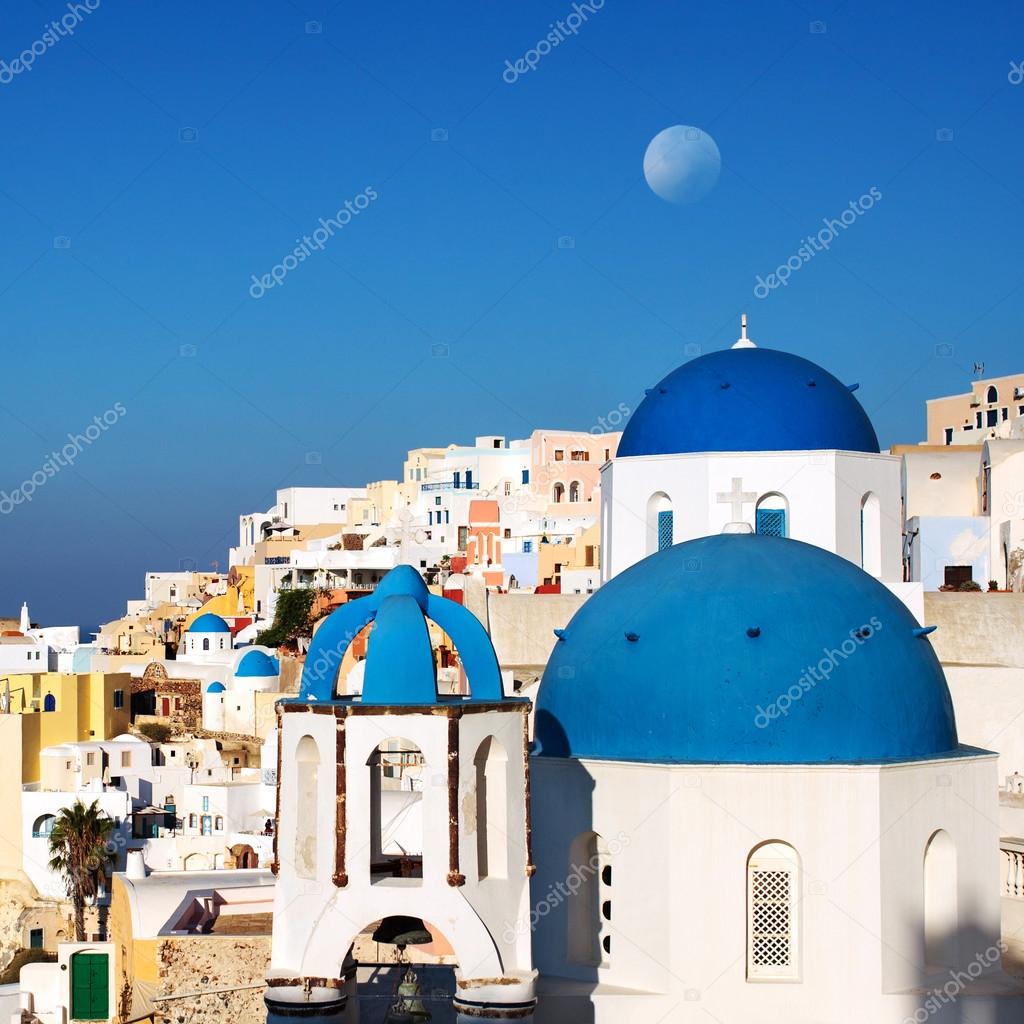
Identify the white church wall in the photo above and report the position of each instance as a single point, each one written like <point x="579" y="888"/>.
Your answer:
<point x="989" y="703"/>
<point x="822" y="492"/>
<point x="679" y="924"/>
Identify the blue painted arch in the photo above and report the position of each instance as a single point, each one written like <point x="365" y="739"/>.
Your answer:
<point x="399" y="662"/>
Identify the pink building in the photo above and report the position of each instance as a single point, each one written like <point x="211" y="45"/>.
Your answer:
<point x="565" y="467"/>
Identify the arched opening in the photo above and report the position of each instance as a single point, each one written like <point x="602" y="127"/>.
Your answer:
<point x="660" y="522"/>
<point x="771" y="516"/>
<point x="871" y="534"/>
<point x="574" y="491"/>
<point x="206" y="643"/>
<point x="307" y="756"/>
<point x="992" y="395"/>
<point x="43" y="826"/>
<point x="773" y="893"/>
<point x="196" y="862"/>
<point x="491" y="764"/>
<point x="940" y="901"/>
<point x="397" y="768"/>
<point x="245" y="856"/>
<point x="49" y="702"/>
<point x="590" y="902"/>
<point x="558" y="493"/>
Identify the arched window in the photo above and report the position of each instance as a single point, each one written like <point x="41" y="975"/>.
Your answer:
<point x="206" y="643"/>
<point x="43" y="826"/>
<point x="396" y="810"/>
<point x="492" y="839"/>
<point x="660" y="522"/>
<point x="307" y="756"/>
<point x="590" y="905"/>
<point x="772" y="515"/>
<point x="773" y="892"/>
<point x="574" y="491"/>
<point x="992" y="395"/>
<point x="871" y="534"/>
<point x="558" y="493"/>
<point x="940" y="901"/>
<point x="49" y="702"/>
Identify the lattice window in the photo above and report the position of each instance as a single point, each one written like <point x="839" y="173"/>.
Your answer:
<point x="771" y="913"/>
<point x="771" y="522"/>
<point x="664" y="530"/>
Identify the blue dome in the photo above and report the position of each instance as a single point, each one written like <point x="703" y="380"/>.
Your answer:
<point x="256" y="663"/>
<point x="215" y="687"/>
<point x="209" y="623"/>
<point x="748" y="400"/>
<point x="744" y="649"/>
<point x="400" y="665"/>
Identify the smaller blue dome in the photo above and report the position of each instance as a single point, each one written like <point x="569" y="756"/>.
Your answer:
<point x="215" y="688"/>
<point x="748" y="400"/>
<point x="256" y="663"/>
<point x="209" y="623"/>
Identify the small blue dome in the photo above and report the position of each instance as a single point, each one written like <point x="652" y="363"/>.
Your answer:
<point x="748" y="400"/>
<point x="256" y="663"/>
<point x="744" y="649"/>
<point x="400" y="665"/>
<point x="209" y="623"/>
<point x="215" y="688"/>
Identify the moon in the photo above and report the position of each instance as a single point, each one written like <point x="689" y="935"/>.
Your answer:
<point x="682" y="164"/>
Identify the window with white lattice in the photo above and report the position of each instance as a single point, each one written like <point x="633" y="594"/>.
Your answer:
<point x="773" y="887"/>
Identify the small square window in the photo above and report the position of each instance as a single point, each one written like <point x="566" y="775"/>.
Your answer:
<point x="437" y="501"/>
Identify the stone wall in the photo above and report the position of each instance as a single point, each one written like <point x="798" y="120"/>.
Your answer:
<point x="977" y="629"/>
<point x="203" y="964"/>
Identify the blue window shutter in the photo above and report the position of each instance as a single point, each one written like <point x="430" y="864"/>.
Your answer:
<point x="526" y="476"/>
<point x="664" y="530"/>
<point x="772" y="522"/>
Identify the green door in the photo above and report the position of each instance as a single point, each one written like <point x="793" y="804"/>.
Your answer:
<point x="89" y="987"/>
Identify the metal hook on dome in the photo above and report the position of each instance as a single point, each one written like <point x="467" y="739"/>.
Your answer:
<point x="924" y="630"/>
<point x="559" y="633"/>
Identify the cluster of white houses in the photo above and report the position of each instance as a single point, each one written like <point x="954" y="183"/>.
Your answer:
<point x="739" y="791"/>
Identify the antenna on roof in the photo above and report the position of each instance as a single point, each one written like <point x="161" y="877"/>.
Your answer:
<point x="744" y="341"/>
<point x="979" y="369"/>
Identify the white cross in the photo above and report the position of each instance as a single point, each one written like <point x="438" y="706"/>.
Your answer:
<point x="737" y="497"/>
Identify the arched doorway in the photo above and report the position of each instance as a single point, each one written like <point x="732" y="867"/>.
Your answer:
<point x="245" y="856"/>
<point x="660" y="523"/>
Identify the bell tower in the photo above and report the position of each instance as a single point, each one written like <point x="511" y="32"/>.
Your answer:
<point x="402" y="806"/>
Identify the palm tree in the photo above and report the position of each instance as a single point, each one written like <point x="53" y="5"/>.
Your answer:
<point x="81" y="851"/>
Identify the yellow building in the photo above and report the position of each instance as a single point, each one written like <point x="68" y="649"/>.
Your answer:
<point x="583" y="553"/>
<point x="85" y="706"/>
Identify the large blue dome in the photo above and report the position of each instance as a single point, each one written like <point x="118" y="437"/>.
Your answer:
<point x="748" y="400"/>
<point x="744" y="649"/>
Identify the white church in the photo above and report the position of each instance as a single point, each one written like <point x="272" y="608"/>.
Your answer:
<point x="740" y="795"/>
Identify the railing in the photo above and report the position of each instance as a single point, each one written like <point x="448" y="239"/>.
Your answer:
<point x="451" y="485"/>
<point x="1012" y="851"/>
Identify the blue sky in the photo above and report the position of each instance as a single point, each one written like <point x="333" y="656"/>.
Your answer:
<point x="174" y="152"/>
